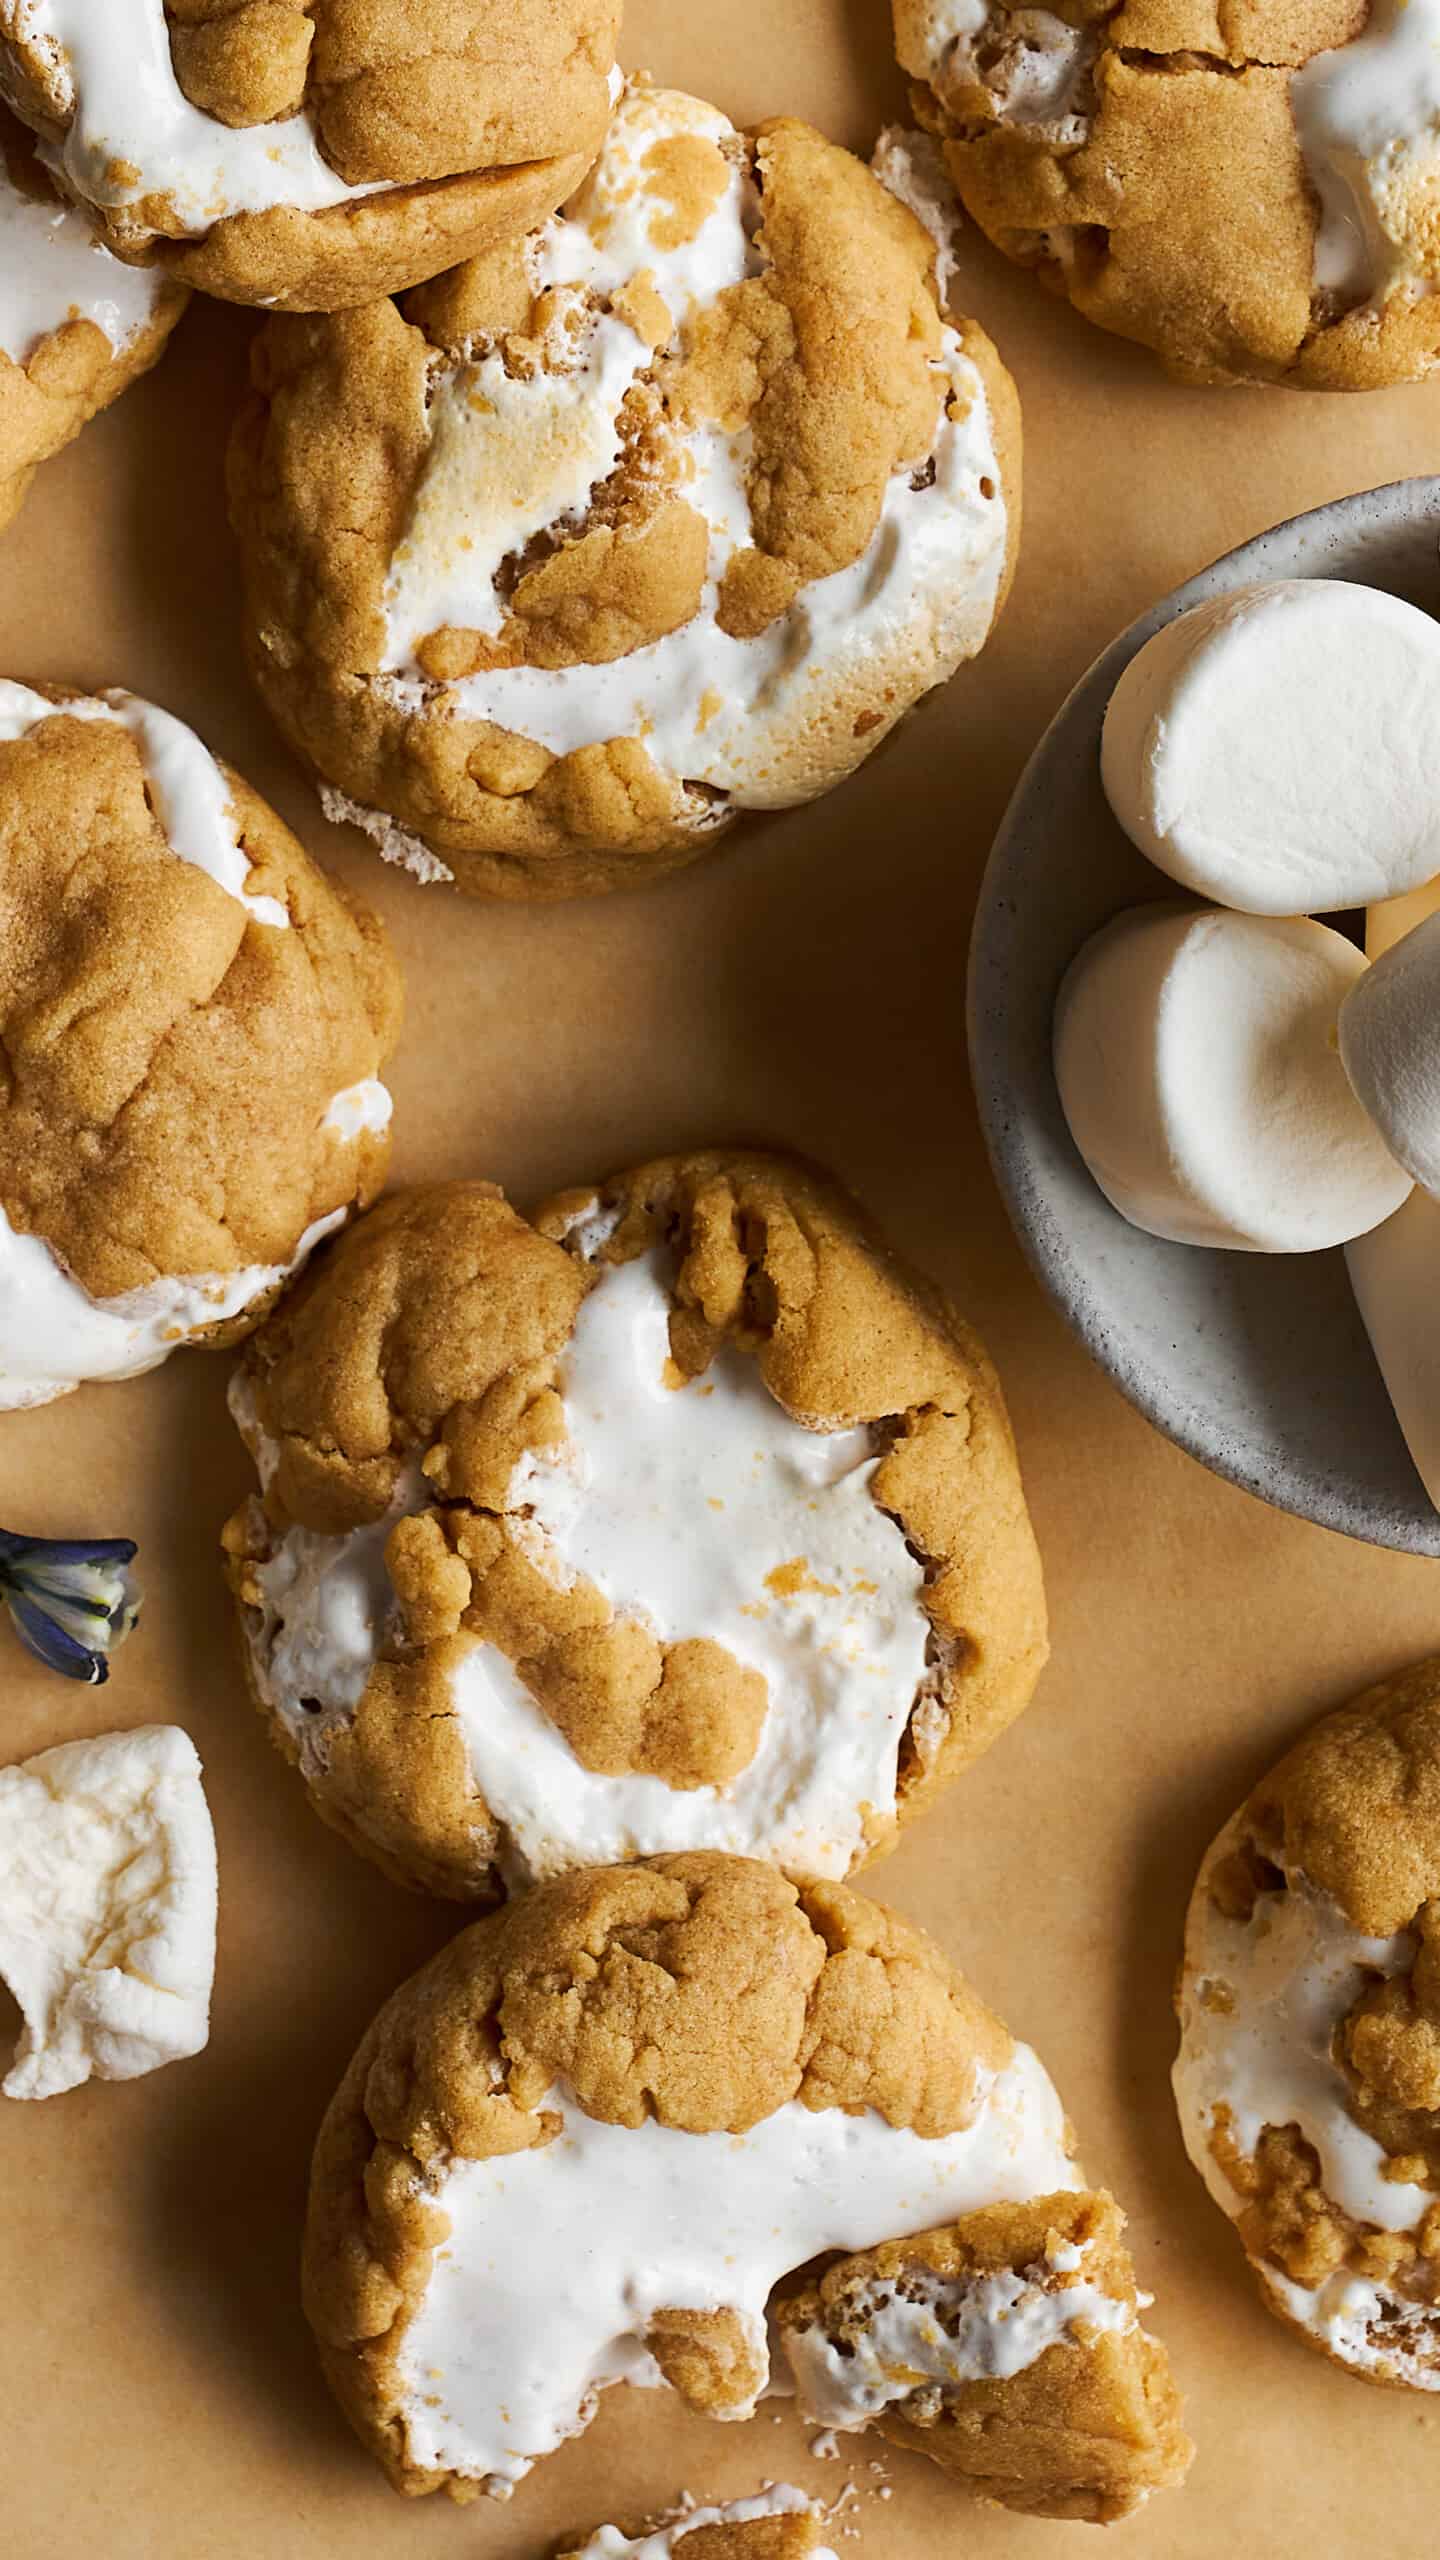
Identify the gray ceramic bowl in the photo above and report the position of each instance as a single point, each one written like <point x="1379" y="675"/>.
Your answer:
<point x="1258" y="1364"/>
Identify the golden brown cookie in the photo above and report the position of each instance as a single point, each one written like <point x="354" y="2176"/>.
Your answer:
<point x="76" y="326"/>
<point x="1308" y="2079"/>
<point x="671" y="512"/>
<point x="310" y="154"/>
<point x="587" y="2142"/>
<point x="779" y="2523"/>
<point x="193" y="1020"/>
<point x="1254" y="192"/>
<point x="681" y="1516"/>
<point x="1008" y="2348"/>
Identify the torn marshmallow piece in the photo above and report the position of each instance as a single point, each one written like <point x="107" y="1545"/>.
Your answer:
<point x="1393" y="1268"/>
<point x="1197" y="1060"/>
<point x="1276" y="748"/>
<point x="780" y="2524"/>
<point x="107" y="1908"/>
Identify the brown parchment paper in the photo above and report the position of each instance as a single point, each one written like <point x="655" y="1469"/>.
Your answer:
<point x="158" y="2396"/>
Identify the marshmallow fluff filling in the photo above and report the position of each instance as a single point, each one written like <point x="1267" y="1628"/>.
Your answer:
<point x="663" y="2541"/>
<point x="131" y="132"/>
<point x="53" y="270"/>
<point x="700" y="1508"/>
<point x="536" y="2301"/>
<point x="1262" y="2000"/>
<point x="920" y="2332"/>
<point x="512" y="460"/>
<point x="53" y="1335"/>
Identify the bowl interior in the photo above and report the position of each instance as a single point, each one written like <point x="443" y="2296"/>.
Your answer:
<point x="1258" y="1364"/>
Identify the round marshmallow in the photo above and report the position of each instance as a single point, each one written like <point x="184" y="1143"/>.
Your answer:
<point x="1390" y="1045"/>
<point x="1277" y="749"/>
<point x="1198" y="1067"/>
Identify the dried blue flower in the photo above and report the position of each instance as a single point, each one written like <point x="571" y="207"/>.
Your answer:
<point x="71" y="1600"/>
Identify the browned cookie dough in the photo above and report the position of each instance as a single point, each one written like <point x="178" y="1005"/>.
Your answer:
<point x="310" y="154"/>
<point x="669" y="512"/>
<point x="1308" y="2080"/>
<point x="191" y="1062"/>
<point x="675" y="2082"/>
<point x="424" y="1415"/>
<point x="59" y="364"/>
<point x="1149" y="159"/>
<point x="1008" y="2347"/>
<point x="779" y="2523"/>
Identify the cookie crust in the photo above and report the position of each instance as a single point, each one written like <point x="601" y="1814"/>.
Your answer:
<point x="431" y="1341"/>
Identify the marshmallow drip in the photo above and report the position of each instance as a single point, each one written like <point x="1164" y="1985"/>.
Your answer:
<point x="53" y="270"/>
<point x="557" y="2259"/>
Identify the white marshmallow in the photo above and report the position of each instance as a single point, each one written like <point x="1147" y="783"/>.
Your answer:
<point x="557" y="2260"/>
<point x="133" y="132"/>
<point x="107" y="1908"/>
<point x="1390" y="1044"/>
<point x="1367" y="115"/>
<point x="609" y="2543"/>
<point x="1196" y="1057"/>
<point x="945" y="2331"/>
<point x="53" y="269"/>
<point x="1366" y="2325"/>
<point x="55" y="1337"/>
<point x="1276" y="749"/>
<point x="1392" y="1270"/>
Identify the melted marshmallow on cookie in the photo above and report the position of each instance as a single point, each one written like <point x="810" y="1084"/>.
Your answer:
<point x="536" y="2300"/>
<point x="728" y="714"/>
<point x="1368" y="118"/>
<point x="663" y="2541"/>
<point x="53" y="270"/>
<point x="132" y="133"/>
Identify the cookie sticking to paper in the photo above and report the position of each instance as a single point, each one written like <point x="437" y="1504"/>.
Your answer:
<point x="679" y="1518"/>
<point x="1307" y="2080"/>
<point x="1008" y="2348"/>
<point x="193" y="1022"/>
<point x="310" y="154"/>
<point x="668" y="514"/>
<point x="1253" y="193"/>
<point x="76" y="326"/>
<point x="588" y="2141"/>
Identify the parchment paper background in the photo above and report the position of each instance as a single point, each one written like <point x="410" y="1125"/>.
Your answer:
<point x="158" y="2392"/>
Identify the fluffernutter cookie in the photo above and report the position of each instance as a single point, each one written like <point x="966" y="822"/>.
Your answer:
<point x="1308" y="2078"/>
<point x="1255" y="193"/>
<point x="680" y="1517"/>
<point x="77" y="327"/>
<point x="592" y="2140"/>
<point x="193" y="1020"/>
<point x="779" y="2523"/>
<point x="309" y="154"/>
<point x="668" y="513"/>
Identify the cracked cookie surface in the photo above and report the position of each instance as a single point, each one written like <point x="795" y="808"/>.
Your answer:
<point x="1308" y="2079"/>
<point x="669" y="512"/>
<point x="310" y="154"/>
<point x="192" y="1023"/>
<point x="1253" y="191"/>
<point x="742" y="2070"/>
<point x="76" y="326"/>
<point x="681" y="1516"/>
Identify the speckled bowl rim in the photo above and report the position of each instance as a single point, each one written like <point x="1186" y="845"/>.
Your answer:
<point x="1014" y="974"/>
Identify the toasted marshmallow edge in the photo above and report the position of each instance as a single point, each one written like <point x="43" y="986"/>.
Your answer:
<point x="1392" y="1270"/>
<point x="944" y="2331"/>
<point x="108" y="1895"/>
<point x="1260" y="2002"/>
<point x="1276" y="748"/>
<point x="704" y="1510"/>
<point x="1197" y="1060"/>
<point x="557" y="2259"/>
<point x="609" y="2543"/>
